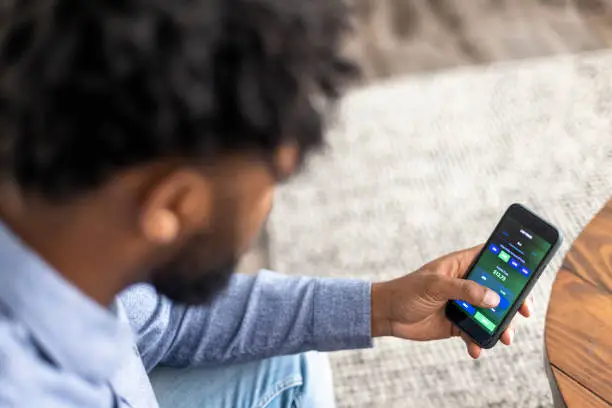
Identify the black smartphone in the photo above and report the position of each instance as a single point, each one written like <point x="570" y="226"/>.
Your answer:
<point x="510" y="263"/>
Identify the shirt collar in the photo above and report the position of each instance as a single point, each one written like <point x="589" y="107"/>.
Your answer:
<point x="76" y="332"/>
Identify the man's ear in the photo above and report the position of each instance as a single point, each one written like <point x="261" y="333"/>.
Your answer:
<point x="287" y="159"/>
<point x="176" y="206"/>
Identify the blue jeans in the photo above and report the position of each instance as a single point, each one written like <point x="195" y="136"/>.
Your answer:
<point x="297" y="381"/>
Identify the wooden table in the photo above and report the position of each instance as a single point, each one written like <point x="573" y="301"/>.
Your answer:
<point x="579" y="320"/>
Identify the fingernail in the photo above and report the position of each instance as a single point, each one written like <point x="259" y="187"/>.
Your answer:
<point x="491" y="298"/>
<point x="512" y="333"/>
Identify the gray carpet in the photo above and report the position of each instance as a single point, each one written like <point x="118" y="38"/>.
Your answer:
<point x="425" y="165"/>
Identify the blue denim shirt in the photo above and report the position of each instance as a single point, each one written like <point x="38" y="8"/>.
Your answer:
<point x="58" y="348"/>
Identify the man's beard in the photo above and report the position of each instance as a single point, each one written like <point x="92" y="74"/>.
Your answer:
<point x="189" y="278"/>
<point x="195" y="290"/>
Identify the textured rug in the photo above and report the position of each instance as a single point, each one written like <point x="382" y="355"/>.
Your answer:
<point x="421" y="166"/>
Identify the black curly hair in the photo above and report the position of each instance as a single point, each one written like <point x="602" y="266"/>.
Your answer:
<point x="89" y="88"/>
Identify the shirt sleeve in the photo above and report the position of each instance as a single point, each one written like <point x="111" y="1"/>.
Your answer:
<point x="257" y="317"/>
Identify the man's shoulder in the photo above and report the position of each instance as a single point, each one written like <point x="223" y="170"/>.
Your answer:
<point x="27" y="378"/>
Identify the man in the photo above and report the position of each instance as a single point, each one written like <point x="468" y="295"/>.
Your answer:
<point x="141" y="143"/>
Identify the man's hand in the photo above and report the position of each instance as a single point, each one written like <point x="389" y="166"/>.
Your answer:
<point x="412" y="307"/>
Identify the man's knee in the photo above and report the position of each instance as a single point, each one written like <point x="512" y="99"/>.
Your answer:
<point x="302" y="380"/>
<point x="318" y="386"/>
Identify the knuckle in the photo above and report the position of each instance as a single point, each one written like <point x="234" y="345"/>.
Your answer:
<point x="439" y="286"/>
<point x="437" y="283"/>
<point x="472" y="291"/>
<point x="467" y="288"/>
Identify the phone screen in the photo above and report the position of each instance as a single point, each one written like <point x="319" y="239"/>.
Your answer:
<point x="506" y="264"/>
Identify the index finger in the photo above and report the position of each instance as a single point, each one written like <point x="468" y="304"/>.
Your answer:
<point x="526" y="308"/>
<point x="467" y="257"/>
<point x="461" y="260"/>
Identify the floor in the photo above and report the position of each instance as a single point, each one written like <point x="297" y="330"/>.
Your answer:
<point x="394" y="37"/>
<point x="416" y="169"/>
<point x="406" y="37"/>
<point x="399" y="37"/>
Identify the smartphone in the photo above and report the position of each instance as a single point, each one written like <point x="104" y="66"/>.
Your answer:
<point x="510" y="263"/>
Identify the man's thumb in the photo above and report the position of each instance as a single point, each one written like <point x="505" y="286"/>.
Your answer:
<point x="471" y="292"/>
